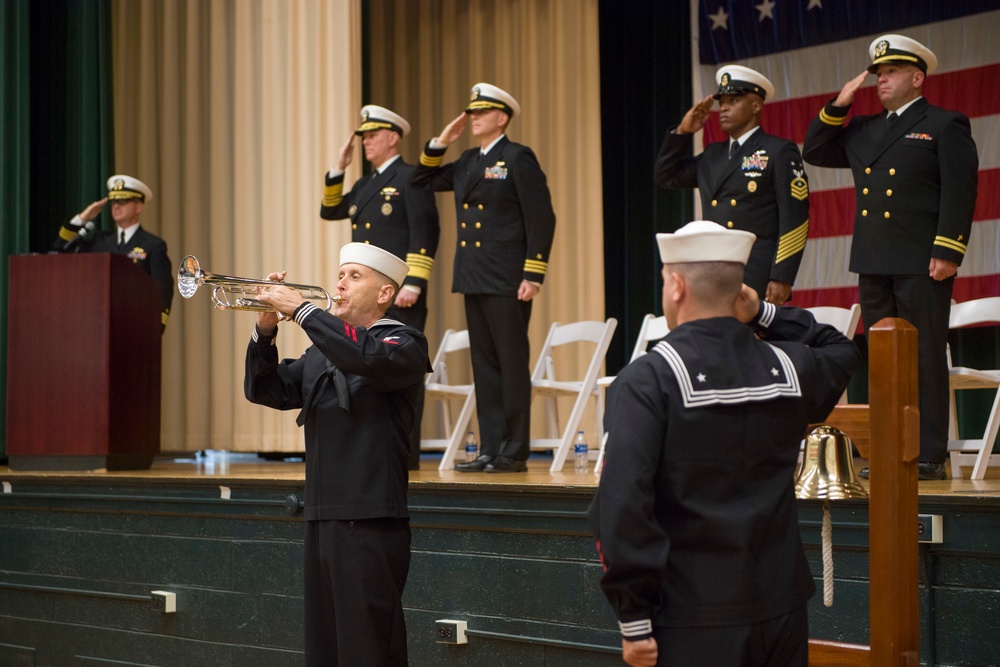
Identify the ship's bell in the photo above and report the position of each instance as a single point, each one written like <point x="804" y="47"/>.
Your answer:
<point x="827" y="467"/>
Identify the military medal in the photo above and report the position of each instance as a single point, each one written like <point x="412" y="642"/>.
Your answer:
<point x="752" y="186"/>
<point x="386" y="208"/>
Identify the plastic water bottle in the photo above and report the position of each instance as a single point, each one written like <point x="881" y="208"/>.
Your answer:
<point x="580" y="454"/>
<point x="471" y="447"/>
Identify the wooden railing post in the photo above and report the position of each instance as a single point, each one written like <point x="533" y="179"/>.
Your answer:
<point x="892" y="527"/>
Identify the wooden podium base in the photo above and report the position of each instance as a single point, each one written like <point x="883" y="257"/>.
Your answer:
<point x="136" y="461"/>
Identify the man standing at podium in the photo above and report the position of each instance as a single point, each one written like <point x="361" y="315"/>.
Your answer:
<point x="127" y="196"/>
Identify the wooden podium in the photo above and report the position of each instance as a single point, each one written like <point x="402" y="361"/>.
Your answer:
<point x="83" y="383"/>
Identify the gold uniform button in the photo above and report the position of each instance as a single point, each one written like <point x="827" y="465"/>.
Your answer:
<point x="732" y="202"/>
<point x="868" y="170"/>
<point x="354" y="226"/>
<point x="892" y="172"/>
<point x="865" y="191"/>
<point x="730" y="224"/>
<point x="478" y="225"/>
<point x="462" y="244"/>
<point x="478" y="244"/>
<point x="465" y="206"/>
<point x="463" y="225"/>
<point x="715" y="202"/>
<point x="480" y="207"/>
<point x="368" y="242"/>
<point x="368" y="225"/>
<point x="887" y="215"/>
<point x="864" y="213"/>
<point x="888" y="193"/>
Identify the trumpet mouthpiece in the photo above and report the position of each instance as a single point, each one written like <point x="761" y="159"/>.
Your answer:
<point x="337" y="298"/>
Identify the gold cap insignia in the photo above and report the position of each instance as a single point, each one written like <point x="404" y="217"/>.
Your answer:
<point x="475" y="93"/>
<point x="119" y="184"/>
<point x="725" y="79"/>
<point x="364" y="116"/>
<point x="881" y="48"/>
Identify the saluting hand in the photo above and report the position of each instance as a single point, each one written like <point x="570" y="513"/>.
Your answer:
<point x="747" y="304"/>
<point x="454" y="130"/>
<point x="93" y="210"/>
<point x="850" y="89"/>
<point x="696" y="117"/>
<point x="346" y="154"/>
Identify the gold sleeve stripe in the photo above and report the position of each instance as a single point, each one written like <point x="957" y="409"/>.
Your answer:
<point x="831" y="120"/>
<point x="333" y="194"/>
<point x="164" y="316"/>
<point x="420" y="265"/>
<point x="429" y="161"/>
<point x="536" y="266"/>
<point x="66" y="234"/>
<point x="792" y="243"/>
<point x="951" y="244"/>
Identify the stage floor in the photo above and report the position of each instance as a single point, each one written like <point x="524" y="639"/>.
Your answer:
<point x="249" y="468"/>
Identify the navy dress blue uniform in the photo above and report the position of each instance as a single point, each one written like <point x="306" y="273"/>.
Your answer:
<point x="695" y="515"/>
<point x="356" y="390"/>
<point x="505" y="229"/>
<point x="915" y="193"/>
<point x="763" y="189"/>
<point x="386" y="211"/>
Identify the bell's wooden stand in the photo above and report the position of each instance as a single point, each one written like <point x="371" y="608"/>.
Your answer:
<point x="83" y="384"/>
<point x="887" y="433"/>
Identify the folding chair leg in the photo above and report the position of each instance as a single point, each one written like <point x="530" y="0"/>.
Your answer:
<point x="989" y="437"/>
<point x="461" y="428"/>
<point x="569" y="433"/>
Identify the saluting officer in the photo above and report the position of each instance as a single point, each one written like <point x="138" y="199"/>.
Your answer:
<point x="915" y="170"/>
<point x="387" y="212"/>
<point x="753" y="181"/>
<point x="148" y="251"/>
<point x="505" y="229"/>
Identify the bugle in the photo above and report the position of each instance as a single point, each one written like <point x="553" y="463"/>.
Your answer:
<point x="229" y="293"/>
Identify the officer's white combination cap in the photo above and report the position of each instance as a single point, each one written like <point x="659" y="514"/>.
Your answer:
<point x="488" y="96"/>
<point x="121" y="186"/>
<point x="374" y="117"/>
<point x="901" y="49"/>
<point x="739" y="80"/>
<point x="705" y="241"/>
<point x="376" y="258"/>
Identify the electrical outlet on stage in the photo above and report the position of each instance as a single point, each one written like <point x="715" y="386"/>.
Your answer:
<point x="451" y="632"/>
<point x="930" y="528"/>
<point x="163" y="601"/>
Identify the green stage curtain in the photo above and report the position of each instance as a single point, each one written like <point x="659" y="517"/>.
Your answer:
<point x="14" y="128"/>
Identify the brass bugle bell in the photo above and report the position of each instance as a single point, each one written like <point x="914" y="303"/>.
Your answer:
<point x="229" y="293"/>
<point x="827" y="467"/>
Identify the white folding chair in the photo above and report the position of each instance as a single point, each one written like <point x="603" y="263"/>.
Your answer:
<point x="844" y="320"/>
<point x="975" y="451"/>
<point x="437" y="387"/>
<point x="545" y="384"/>
<point x="651" y="330"/>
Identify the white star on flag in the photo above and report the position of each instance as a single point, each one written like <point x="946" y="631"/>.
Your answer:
<point x="766" y="10"/>
<point x="719" y="19"/>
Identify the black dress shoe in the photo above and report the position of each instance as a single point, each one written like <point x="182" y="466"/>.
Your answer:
<point x="930" y="471"/>
<point x="506" y="464"/>
<point x="474" y="466"/>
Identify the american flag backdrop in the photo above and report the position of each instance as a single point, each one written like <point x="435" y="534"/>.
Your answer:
<point x="809" y="49"/>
